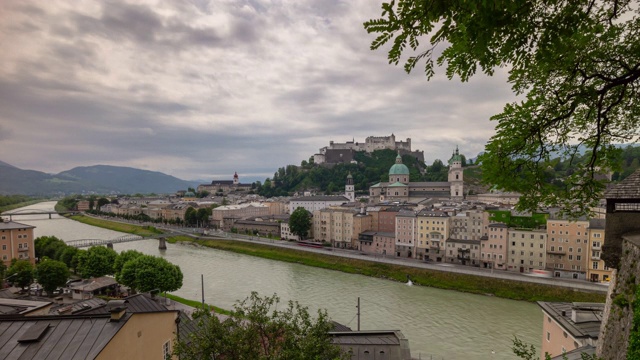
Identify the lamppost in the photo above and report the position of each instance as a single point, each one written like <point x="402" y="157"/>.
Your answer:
<point x="7" y="278"/>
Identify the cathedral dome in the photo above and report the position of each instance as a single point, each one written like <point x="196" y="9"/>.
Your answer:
<point x="399" y="168"/>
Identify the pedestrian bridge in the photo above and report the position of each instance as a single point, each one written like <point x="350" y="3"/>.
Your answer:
<point x="22" y="212"/>
<point x="126" y="238"/>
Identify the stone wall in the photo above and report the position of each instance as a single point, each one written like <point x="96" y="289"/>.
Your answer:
<point x="618" y="315"/>
<point x="618" y="224"/>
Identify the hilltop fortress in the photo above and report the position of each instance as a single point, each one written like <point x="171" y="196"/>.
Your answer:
<point x="337" y="153"/>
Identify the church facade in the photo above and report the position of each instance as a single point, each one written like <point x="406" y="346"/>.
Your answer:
<point x="224" y="186"/>
<point x="400" y="188"/>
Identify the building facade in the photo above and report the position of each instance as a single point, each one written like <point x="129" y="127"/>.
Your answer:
<point x="401" y="189"/>
<point x="568" y="248"/>
<point x="16" y="242"/>
<point x="434" y="228"/>
<point x="527" y="250"/>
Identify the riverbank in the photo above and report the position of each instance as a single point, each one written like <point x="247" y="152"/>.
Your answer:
<point x="507" y="289"/>
<point x="19" y="205"/>
<point x="196" y="304"/>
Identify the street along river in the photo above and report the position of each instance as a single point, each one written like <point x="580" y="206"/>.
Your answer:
<point x="440" y="324"/>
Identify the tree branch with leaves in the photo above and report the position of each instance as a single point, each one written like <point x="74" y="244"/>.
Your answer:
<point x="576" y="64"/>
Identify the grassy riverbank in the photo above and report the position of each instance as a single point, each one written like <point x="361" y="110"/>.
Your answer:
<point x="440" y="279"/>
<point x="117" y="226"/>
<point x="196" y="304"/>
<point x="508" y="289"/>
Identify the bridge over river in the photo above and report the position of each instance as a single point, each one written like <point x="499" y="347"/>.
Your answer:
<point x="25" y="212"/>
<point x="79" y="243"/>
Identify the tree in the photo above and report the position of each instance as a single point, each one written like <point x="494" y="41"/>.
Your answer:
<point x="122" y="259"/>
<point x="202" y="216"/>
<point x="102" y="202"/>
<point x="24" y="272"/>
<point x="51" y="274"/>
<point x="256" y="329"/>
<point x="48" y="246"/>
<point x="528" y="352"/>
<point x="146" y="273"/>
<point x="67" y="256"/>
<point x="300" y="222"/>
<point x="576" y="65"/>
<point x="97" y="261"/>
<point x="190" y="216"/>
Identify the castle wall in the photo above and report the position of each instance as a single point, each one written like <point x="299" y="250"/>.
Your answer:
<point x="618" y="315"/>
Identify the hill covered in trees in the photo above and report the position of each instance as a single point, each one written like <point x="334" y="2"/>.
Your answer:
<point x="370" y="169"/>
<point x="373" y="168"/>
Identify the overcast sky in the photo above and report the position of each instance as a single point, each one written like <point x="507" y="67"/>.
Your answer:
<point x="200" y="89"/>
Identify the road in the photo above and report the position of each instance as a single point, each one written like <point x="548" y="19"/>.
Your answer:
<point x="446" y="267"/>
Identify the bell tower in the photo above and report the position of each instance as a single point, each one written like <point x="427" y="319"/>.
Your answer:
<point x="349" y="191"/>
<point x="455" y="175"/>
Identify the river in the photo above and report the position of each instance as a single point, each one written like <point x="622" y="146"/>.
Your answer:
<point x="440" y="324"/>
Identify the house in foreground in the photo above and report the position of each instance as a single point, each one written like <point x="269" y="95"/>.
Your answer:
<point x="138" y="327"/>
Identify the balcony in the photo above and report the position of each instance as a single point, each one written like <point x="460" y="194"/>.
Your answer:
<point x="23" y="249"/>
<point x="596" y="258"/>
<point x="596" y="247"/>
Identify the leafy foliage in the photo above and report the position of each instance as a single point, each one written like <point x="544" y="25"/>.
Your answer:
<point x="300" y="222"/>
<point x="24" y="272"/>
<point x="576" y="63"/>
<point x="256" y="329"/>
<point x="97" y="261"/>
<point x="51" y="274"/>
<point x="122" y="259"/>
<point x="528" y="352"/>
<point x="371" y="169"/>
<point x="146" y="273"/>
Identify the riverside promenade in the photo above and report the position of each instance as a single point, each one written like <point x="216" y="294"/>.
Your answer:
<point x="578" y="285"/>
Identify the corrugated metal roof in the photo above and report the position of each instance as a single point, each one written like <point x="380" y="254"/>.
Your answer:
<point x="64" y="337"/>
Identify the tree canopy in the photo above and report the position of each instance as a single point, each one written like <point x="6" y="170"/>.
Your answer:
<point x="51" y="274"/>
<point x="23" y="271"/>
<point x="97" y="261"/>
<point x="146" y="273"/>
<point x="300" y="222"/>
<point x="257" y="329"/>
<point x="122" y="259"/>
<point x="576" y="65"/>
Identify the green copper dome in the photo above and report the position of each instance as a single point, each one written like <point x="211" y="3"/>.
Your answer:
<point x="455" y="157"/>
<point x="399" y="168"/>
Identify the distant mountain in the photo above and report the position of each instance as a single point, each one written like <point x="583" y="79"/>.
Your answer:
<point x="101" y="179"/>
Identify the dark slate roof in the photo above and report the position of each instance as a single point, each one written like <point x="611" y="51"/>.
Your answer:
<point x="597" y="223"/>
<point x="576" y="354"/>
<point x="629" y="188"/>
<point x="93" y="284"/>
<point x="64" y="337"/>
<point x="321" y="198"/>
<point x="366" y="337"/>
<point x="77" y="307"/>
<point x="139" y="303"/>
<point x="587" y="329"/>
<point x="432" y="213"/>
<point x="12" y="225"/>
<point x="339" y="327"/>
<point x="7" y="294"/>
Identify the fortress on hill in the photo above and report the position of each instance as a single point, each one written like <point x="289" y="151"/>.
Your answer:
<point x="337" y="153"/>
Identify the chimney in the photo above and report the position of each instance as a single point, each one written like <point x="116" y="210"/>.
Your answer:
<point x="117" y="309"/>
